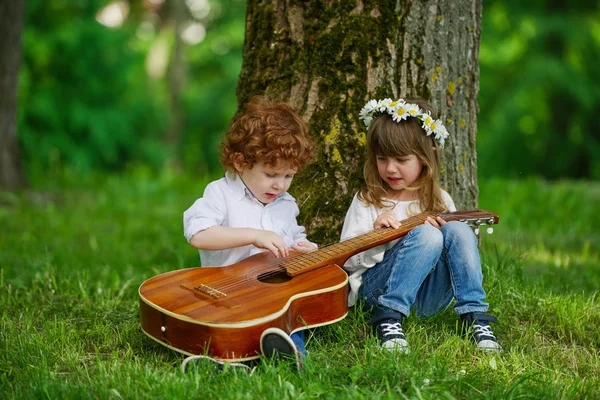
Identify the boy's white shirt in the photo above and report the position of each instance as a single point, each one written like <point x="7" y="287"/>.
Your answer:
<point x="228" y="202"/>
<point x="359" y="220"/>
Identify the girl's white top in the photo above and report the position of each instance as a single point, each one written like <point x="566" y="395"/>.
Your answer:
<point x="228" y="202"/>
<point x="359" y="220"/>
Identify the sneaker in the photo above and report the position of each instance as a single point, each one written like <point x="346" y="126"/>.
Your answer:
<point x="476" y="326"/>
<point x="388" y="328"/>
<point x="218" y="365"/>
<point x="275" y="343"/>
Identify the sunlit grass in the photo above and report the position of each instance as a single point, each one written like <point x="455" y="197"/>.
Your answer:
<point x="74" y="251"/>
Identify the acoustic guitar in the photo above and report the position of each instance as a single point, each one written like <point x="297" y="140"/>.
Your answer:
<point x="222" y="311"/>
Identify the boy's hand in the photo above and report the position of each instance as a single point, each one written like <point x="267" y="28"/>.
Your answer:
<point x="438" y="222"/>
<point x="270" y="241"/>
<point x="304" y="247"/>
<point x="387" y="219"/>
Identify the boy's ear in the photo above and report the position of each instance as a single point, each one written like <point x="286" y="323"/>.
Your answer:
<point x="238" y="162"/>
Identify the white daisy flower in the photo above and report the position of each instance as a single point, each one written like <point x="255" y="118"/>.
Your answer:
<point x="370" y="106"/>
<point x="394" y="105"/>
<point x="365" y="112"/>
<point x="426" y="119"/>
<point x="383" y="105"/>
<point x="386" y="102"/>
<point x="435" y="125"/>
<point x="401" y="112"/>
<point x="413" y="109"/>
<point x="440" y="130"/>
<point x="427" y="129"/>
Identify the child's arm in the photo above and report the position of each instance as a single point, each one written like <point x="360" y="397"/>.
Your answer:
<point x="359" y="220"/>
<point x="202" y="226"/>
<point x="222" y="237"/>
<point x="304" y="247"/>
<point x="298" y="233"/>
<point x="386" y="219"/>
<point x="438" y="222"/>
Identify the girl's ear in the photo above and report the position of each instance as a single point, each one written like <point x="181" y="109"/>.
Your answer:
<point x="434" y="148"/>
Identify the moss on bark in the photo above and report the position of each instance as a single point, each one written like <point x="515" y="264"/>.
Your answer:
<point x="328" y="58"/>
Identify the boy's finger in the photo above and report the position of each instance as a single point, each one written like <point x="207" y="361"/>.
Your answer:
<point x="283" y="251"/>
<point x="275" y="252"/>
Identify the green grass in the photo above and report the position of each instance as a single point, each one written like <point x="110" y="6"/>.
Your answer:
<point x="74" y="250"/>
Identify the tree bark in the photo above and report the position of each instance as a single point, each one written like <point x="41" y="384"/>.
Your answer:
<point x="11" y="27"/>
<point x="328" y="58"/>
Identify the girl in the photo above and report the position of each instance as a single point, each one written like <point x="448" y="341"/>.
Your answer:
<point x="249" y="210"/>
<point x="435" y="262"/>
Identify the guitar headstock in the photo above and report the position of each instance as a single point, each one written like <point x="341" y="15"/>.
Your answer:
<point x="474" y="218"/>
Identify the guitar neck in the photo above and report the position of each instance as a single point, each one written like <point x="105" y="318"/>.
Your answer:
<point x="338" y="253"/>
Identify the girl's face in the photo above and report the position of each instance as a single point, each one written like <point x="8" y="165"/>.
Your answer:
<point x="266" y="182"/>
<point x="399" y="173"/>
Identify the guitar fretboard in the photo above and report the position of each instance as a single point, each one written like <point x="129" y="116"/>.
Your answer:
<point x="340" y="252"/>
<point x="351" y="246"/>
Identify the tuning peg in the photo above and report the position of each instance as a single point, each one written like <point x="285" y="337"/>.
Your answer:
<point x="477" y="231"/>
<point x="490" y="230"/>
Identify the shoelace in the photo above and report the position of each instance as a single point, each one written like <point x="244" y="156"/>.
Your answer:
<point x="483" y="330"/>
<point x="392" y="329"/>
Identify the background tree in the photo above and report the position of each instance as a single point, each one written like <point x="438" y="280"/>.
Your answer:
<point x="328" y="58"/>
<point x="11" y="27"/>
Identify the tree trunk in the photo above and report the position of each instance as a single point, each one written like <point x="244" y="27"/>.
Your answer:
<point x="11" y="27"/>
<point x="328" y="58"/>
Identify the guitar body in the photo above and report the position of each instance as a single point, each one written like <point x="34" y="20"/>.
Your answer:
<point x="222" y="311"/>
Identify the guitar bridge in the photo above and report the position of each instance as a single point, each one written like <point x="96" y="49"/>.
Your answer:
<point x="206" y="290"/>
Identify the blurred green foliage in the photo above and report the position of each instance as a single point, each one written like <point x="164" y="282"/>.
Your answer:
<point x="540" y="89"/>
<point x="85" y="99"/>
<point x="88" y="102"/>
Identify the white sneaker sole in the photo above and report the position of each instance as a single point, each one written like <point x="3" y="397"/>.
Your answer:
<point x="218" y="363"/>
<point x="275" y="342"/>
<point x="396" y="345"/>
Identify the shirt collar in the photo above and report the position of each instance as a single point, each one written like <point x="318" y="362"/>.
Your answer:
<point x="235" y="184"/>
<point x="240" y="190"/>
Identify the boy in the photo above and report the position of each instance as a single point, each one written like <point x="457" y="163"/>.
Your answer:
<point x="249" y="210"/>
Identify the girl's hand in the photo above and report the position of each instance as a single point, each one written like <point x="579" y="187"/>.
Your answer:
<point x="438" y="222"/>
<point x="387" y="219"/>
<point x="270" y="241"/>
<point x="304" y="247"/>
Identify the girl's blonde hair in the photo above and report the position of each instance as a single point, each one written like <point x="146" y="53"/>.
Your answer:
<point x="397" y="139"/>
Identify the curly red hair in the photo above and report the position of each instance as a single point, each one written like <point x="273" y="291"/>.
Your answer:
<point x="266" y="132"/>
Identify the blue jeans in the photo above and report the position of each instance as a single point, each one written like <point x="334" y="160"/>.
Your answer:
<point x="426" y="269"/>
<point x="298" y="339"/>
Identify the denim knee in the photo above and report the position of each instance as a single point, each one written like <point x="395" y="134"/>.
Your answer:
<point x="427" y="234"/>
<point x="458" y="231"/>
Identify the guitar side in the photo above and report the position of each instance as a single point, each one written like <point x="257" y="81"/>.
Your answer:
<point x="222" y="311"/>
<point x="228" y="324"/>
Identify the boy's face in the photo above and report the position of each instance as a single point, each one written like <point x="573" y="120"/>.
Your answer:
<point x="267" y="182"/>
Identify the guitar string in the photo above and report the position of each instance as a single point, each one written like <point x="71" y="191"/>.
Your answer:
<point x="321" y="255"/>
<point x="297" y="263"/>
<point x="230" y="283"/>
<point x="315" y="257"/>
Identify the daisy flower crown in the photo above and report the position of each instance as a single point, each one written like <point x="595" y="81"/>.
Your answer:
<point x="400" y="110"/>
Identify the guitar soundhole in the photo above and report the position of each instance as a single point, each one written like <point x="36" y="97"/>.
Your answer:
<point x="274" y="277"/>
